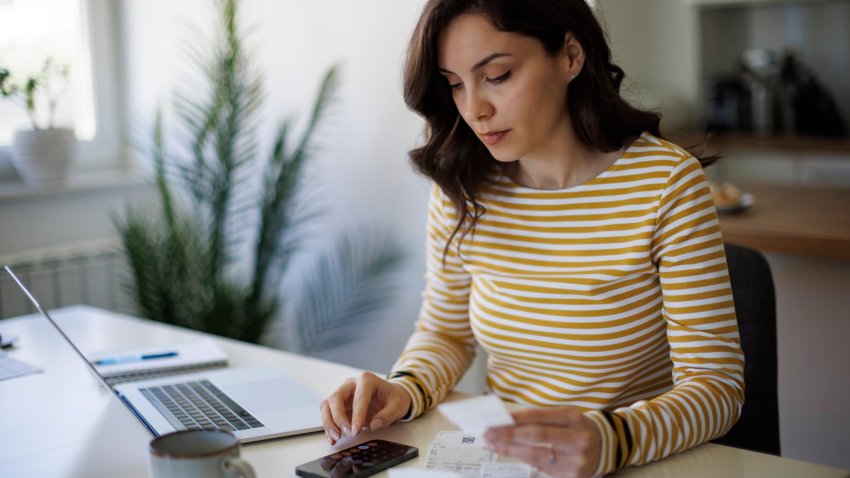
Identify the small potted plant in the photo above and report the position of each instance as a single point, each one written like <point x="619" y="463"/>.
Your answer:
<point x="42" y="155"/>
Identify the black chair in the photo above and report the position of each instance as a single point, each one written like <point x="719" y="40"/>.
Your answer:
<point x="755" y="306"/>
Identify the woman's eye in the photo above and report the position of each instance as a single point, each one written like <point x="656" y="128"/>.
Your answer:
<point x="455" y="86"/>
<point x="500" y="79"/>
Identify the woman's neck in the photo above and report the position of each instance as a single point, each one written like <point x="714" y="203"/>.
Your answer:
<point x="564" y="164"/>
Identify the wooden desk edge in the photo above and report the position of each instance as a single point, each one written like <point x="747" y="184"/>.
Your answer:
<point x="810" y="247"/>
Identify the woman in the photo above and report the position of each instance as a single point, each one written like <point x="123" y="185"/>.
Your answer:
<point x="565" y="237"/>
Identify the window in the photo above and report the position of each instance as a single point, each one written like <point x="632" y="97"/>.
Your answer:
<point x="82" y="35"/>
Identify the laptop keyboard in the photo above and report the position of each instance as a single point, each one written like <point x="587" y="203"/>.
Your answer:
<point x="199" y="405"/>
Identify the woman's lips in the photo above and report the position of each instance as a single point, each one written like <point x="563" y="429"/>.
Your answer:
<point x="494" y="137"/>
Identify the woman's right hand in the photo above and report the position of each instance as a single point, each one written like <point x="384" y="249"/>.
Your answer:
<point x="367" y="399"/>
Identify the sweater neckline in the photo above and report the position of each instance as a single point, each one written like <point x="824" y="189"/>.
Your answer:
<point x="505" y="180"/>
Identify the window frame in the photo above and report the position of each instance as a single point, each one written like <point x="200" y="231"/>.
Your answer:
<point x="107" y="149"/>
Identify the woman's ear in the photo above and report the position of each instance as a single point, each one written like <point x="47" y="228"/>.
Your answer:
<point x="572" y="56"/>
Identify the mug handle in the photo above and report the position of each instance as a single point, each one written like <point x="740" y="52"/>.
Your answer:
<point x="240" y="466"/>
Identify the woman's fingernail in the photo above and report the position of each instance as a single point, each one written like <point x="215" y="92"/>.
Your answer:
<point x="377" y="424"/>
<point x="346" y="430"/>
<point x="334" y="435"/>
<point x="330" y="439"/>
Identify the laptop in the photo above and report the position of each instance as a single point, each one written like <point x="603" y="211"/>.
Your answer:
<point x="254" y="402"/>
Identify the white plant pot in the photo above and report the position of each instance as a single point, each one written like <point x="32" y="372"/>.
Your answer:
<point x="43" y="157"/>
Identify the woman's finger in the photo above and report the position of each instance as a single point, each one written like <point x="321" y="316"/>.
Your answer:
<point x="546" y="457"/>
<point x="364" y="394"/>
<point x="339" y="403"/>
<point x="568" y="439"/>
<point x="397" y="402"/>
<point x="562" y="415"/>
<point x="331" y="430"/>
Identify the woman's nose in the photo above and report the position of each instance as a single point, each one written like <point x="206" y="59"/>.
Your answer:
<point x="477" y="107"/>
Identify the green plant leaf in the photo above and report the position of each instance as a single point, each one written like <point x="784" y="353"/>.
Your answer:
<point x="341" y="295"/>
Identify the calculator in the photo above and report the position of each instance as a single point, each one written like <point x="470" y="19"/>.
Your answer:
<point x="358" y="461"/>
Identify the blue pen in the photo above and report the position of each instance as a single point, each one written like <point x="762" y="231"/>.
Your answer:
<point x="133" y="358"/>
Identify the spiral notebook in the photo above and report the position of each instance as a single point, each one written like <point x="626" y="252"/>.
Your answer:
<point x="130" y="365"/>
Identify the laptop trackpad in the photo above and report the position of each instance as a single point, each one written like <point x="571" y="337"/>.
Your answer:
<point x="273" y="396"/>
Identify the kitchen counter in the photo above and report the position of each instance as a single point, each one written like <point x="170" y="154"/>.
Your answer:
<point x="794" y="220"/>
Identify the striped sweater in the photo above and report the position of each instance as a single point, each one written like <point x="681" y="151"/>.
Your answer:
<point x="612" y="296"/>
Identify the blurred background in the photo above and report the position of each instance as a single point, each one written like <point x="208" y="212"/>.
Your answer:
<point x="770" y="79"/>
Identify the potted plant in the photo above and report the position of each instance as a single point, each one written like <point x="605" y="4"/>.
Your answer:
<point x="42" y="155"/>
<point x="183" y="253"/>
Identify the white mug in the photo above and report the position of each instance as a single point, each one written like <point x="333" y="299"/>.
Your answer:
<point x="195" y="454"/>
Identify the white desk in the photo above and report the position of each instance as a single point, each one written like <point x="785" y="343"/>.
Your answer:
<point x="62" y="423"/>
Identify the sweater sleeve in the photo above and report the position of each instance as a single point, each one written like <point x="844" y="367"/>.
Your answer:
<point x="442" y="345"/>
<point x="702" y="330"/>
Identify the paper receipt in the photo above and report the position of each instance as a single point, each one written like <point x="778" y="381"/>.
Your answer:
<point x="462" y="454"/>
<point x="474" y="415"/>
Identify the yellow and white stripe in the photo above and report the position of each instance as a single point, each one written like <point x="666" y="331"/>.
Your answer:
<point x="612" y="296"/>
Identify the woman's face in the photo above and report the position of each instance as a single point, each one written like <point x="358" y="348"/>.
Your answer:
<point x="507" y="88"/>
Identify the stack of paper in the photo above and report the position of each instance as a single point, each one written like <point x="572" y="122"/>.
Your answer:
<point x="11" y="368"/>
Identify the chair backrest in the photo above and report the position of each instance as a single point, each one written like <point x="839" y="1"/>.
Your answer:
<point x="755" y="306"/>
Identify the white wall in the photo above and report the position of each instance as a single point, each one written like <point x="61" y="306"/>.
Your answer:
<point x="50" y="220"/>
<point x="654" y="41"/>
<point x="363" y="174"/>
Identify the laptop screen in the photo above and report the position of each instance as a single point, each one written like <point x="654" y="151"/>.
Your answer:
<point x="59" y="329"/>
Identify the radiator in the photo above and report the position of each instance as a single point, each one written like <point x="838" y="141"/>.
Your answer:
<point x="92" y="273"/>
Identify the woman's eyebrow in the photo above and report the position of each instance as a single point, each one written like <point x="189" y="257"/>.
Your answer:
<point x="480" y="64"/>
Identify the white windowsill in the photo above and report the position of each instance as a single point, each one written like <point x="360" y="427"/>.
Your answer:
<point x="78" y="182"/>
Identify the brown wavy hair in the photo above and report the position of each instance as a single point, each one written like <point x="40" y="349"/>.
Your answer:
<point x="452" y="156"/>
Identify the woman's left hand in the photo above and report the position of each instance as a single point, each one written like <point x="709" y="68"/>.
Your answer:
<point x="560" y="441"/>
